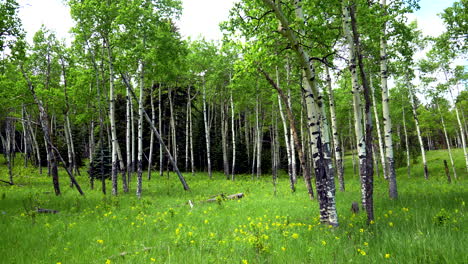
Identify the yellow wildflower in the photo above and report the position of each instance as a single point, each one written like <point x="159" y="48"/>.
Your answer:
<point x="361" y="230"/>
<point x="390" y="224"/>
<point x="108" y="261"/>
<point x="244" y="261"/>
<point x="324" y="242"/>
<point x="295" y="236"/>
<point x="283" y="248"/>
<point x="153" y="259"/>
<point x="100" y="241"/>
<point x="387" y="256"/>
<point x="366" y="244"/>
<point x="206" y="221"/>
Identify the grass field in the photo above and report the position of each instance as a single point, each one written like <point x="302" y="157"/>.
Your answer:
<point x="427" y="224"/>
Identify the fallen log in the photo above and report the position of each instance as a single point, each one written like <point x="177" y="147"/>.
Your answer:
<point x="217" y="198"/>
<point x="7" y="182"/>
<point x="46" y="211"/>
<point x="223" y="197"/>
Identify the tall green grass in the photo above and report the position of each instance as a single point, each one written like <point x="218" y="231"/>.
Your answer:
<point x="427" y="224"/>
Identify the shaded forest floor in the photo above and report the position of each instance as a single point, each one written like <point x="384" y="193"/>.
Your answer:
<point x="427" y="224"/>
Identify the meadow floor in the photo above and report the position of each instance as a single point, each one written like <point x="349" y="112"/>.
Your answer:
<point x="427" y="224"/>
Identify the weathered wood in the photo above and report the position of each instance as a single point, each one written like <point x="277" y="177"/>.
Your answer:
<point x="447" y="172"/>
<point x="223" y="197"/>
<point x="355" y="207"/>
<point x="46" y="211"/>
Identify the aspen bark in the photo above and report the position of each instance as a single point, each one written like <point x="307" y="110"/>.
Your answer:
<point x="187" y="118"/>
<point x="112" y="121"/>
<point x="379" y="135"/>
<point x="418" y="130"/>
<point x="291" y="142"/>
<point x="192" y="159"/>
<point x="233" y="131"/>
<point x="25" y="136"/>
<point x="44" y="120"/>
<point x="160" y="129"/>
<point x="158" y="136"/>
<point x="128" y="136"/>
<point x="314" y="102"/>
<point x="153" y="119"/>
<point x="356" y="91"/>
<point x="462" y="133"/>
<point x="447" y="141"/>
<point x="336" y="141"/>
<point x="286" y="138"/>
<point x="173" y="127"/>
<point x="224" y="129"/>
<point x="368" y="171"/>
<point x="408" y="158"/>
<point x="9" y="142"/>
<point x="140" y="133"/>
<point x="207" y="130"/>
<point x="296" y="141"/>
<point x="387" y="120"/>
<point x="259" y="130"/>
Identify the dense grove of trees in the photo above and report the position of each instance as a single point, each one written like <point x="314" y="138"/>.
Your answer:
<point x="293" y="86"/>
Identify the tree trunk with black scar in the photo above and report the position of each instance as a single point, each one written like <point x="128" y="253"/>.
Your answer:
<point x="336" y="141"/>
<point x="369" y="170"/>
<point x="325" y="191"/>
<point x="356" y="91"/>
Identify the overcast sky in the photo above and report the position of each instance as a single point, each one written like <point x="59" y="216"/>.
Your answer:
<point x="199" y="17"/>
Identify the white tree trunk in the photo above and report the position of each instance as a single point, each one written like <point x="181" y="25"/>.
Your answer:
<point x="207" y="130"/>
<point x="233" y="131"/>
<point x="336" y="141"/>
<point x="378" y="132"/>
<point x="161" y="157"/>
<point x="286" y="138"/>
<point x="153" y="119"/>
<point x="356" y="90"/>
<point x="173" y="126"/>
<point x="408" y="158"/>
<point x="192" y="160"/>
<point x="462" y="133"/>
<point x="447" y="141"/>
<point x="140" y="134"/>
<point x="224" y="130"/>
<point x="259" y="136"/>
<point x="187" y="118"/>
<point x="128" y="136"/>
<point x="418" y="130"/>
<point x="325" y="183"/>
<point x="112" y="121"/>
<point x="387" y="120"/>
<point x="291" y="142"/>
